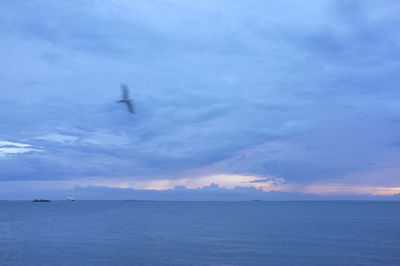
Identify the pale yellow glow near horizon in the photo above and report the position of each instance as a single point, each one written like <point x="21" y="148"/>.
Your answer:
<point x="347" y="189"/>
<point x="222" y="180"/>
<point x="226" y="181"/>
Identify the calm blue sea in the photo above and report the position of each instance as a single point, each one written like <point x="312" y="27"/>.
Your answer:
<point x="199" y="233"/>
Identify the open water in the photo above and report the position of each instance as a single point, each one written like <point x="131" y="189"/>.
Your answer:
<point x="199" y="233"/>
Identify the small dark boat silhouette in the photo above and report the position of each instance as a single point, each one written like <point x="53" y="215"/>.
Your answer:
<point x="41" y="200"/>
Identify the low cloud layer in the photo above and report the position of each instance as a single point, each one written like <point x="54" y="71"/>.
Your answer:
<point x="212" y="192"/>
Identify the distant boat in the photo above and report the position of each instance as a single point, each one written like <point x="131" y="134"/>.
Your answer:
<point x="41" y="200"/>
<point x="70" y="199"/>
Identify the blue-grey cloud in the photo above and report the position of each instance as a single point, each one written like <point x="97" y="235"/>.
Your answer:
<point x="310" y="94"/>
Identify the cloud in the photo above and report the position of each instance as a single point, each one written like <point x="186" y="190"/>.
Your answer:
<point x="9" y="143"/>
<point x="212" y="192"/>
<point x="8" y="147"/>
<point x="65" y="139"/>
<point x="307" y="95"/>
<point x="213" y="187"/>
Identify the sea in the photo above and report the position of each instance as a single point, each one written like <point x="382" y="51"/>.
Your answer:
<point x="199" y="233"/>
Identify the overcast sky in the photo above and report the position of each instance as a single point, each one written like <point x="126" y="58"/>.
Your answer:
<point x="295" y="96"/>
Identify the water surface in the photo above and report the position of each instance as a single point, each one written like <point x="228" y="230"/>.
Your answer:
<point x="199" y="233"/>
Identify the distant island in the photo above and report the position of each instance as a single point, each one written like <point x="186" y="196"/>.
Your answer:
<point x="41" y="200"/>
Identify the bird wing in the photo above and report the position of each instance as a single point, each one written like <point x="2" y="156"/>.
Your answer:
<point x="130" y="107"/>
<point x="125" y="92"/>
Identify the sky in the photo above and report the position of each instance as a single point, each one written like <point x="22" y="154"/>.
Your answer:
<point x="234" y="99"/>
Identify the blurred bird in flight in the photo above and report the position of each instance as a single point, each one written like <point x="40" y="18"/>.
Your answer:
<point x="125" y="98"/>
